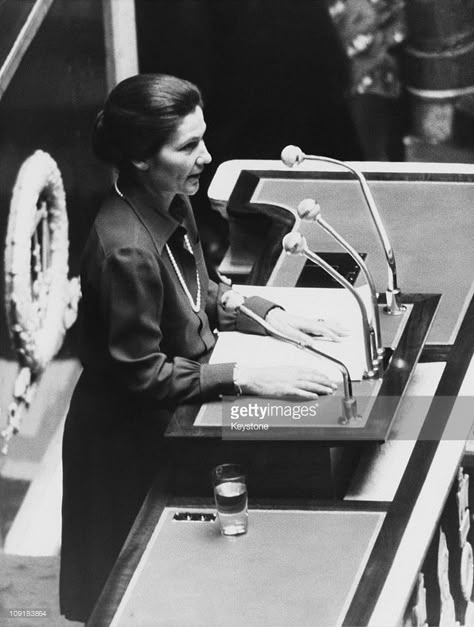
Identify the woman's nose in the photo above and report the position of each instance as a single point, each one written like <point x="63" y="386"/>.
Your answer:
<point x="205" y="156"/>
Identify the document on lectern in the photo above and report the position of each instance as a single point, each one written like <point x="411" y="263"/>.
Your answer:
<point x="332" y="304"/>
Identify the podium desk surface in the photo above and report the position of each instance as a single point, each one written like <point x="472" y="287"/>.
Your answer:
<point x="293" y="567"/>
<point x="377" y="399"/>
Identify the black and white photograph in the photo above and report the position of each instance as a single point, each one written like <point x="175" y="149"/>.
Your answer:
<point x="236" y="313"/>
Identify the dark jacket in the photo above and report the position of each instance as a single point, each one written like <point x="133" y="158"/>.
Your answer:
<point x="144" y="350"/>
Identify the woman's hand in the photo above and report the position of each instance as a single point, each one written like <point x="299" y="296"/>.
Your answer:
<point x="302" y="328"/>
<point x="280" y="381"/>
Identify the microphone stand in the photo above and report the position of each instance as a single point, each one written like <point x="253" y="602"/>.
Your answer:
<point x="292" y="155"/>
<point x="349" y="403"/>
<point x="309" y="210"/>
<point x="295" y="244"/>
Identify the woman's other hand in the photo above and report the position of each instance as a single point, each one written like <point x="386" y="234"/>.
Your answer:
<point x="280" y="381"/>
<point x="302" y="328"/>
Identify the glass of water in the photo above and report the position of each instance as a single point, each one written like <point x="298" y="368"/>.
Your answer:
<point x="230" y="493"/>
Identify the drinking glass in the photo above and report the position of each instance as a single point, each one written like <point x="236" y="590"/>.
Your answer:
<point x="230" y="493"/>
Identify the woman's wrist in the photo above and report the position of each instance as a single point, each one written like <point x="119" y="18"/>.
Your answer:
<point x="236" y="376"/>
<point x="240" y="380"/>
<point x="274" y="314"/>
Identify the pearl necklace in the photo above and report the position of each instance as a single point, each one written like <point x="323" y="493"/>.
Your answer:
<point x="196" y="306"/>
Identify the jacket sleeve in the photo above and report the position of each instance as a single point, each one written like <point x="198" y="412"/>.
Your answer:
<point x="225" y="321"/>
<point x="131" y="302"/>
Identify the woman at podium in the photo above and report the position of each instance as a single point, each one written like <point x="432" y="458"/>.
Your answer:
<point x="146" y="323"/>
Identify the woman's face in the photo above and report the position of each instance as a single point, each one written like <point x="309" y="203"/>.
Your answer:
<point x="177" y="166"/>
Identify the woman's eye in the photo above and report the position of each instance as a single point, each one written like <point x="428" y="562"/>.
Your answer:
<point x="190" y="147"/>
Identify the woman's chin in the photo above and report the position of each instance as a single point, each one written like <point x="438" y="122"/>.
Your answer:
<point x="192" y="186"/>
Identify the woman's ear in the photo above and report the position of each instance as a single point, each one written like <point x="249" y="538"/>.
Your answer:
<point x="141" y="165"/>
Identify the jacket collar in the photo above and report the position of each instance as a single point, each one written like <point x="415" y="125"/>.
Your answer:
<point x="159" y="222"/>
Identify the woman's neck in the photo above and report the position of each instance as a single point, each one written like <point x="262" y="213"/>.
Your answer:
<point x="143" y="186"/>
<point x="163" y="199"/>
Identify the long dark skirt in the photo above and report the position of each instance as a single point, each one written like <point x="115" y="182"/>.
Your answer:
<point x="112" y="450"/>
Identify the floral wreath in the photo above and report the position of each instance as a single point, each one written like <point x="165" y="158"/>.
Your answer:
<point x="41" y="302"/>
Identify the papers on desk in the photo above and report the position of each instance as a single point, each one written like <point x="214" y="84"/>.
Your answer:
<point x="336" y="305"/>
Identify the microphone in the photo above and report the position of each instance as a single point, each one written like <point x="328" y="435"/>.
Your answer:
<point x="232" y="301"/>
<point x="295" y="244"/>
<point x="310" y="210"/>
<point x="293" y="155"/>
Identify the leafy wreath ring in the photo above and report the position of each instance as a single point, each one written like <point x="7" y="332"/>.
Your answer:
<point x="41" y="302"/>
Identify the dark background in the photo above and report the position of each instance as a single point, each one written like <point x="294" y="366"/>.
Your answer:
<point x="272" y="72"/>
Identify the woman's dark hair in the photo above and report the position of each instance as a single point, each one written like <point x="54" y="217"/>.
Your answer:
<point x="140" y="115"/>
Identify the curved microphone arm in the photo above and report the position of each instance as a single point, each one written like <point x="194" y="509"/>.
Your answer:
<point x="292" y="155"/>
<point x="309" y="210"/>
<point x="295" y="244"/>
<point x="232" y="300"/>
<point x="347" y="382"/>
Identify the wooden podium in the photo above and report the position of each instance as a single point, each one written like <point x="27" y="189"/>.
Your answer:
<point x="315" y="459"/>
<point x="400" y="478"/>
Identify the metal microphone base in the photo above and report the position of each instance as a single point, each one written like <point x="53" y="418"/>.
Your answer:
<point x="375" y="372"/>
<point x="378" y="364"/>
<point x="394" y="305"/>
<point x="349" y="411"/>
